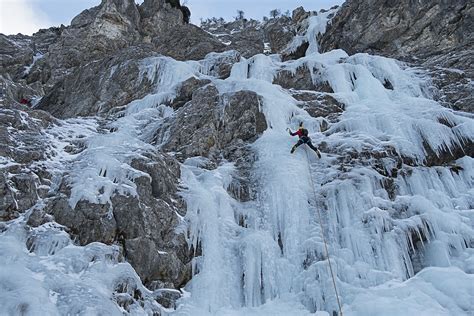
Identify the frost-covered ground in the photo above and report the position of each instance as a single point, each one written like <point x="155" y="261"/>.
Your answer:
<point x="394" y="253"/>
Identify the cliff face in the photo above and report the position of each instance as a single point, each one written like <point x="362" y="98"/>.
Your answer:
<point x="402" y="28"/>
<point x="153" y="156"/>
<point x="51" y="59"/>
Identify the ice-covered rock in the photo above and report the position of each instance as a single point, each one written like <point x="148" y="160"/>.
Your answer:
<point x="434" y="34"/>
<point x="44" y="273"/>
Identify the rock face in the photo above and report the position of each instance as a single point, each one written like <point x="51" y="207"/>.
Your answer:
<point x="94" y="67"/>
<point x="303" y="78"/>
<point x="211" y="124"/>
<point x="144" y="226"/>
<point x="404" y="28"/>
<point x="46" y="61"/>
<point x="15" y="50"/>
<point x="22" y="143"/>
<point x="218" y="127"/>
<point x="280" y="32"/>
<point x="433" y="34"/>
<point x="186" y="42"/>
<point x="251" y="37"/>
<point x="118" y="83"/>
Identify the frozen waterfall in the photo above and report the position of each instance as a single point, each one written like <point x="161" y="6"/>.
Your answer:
<point x="399" y="226"/>
<point x="400" y="244"/>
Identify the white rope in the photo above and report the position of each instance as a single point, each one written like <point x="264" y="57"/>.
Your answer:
<point x="322" y="235"/>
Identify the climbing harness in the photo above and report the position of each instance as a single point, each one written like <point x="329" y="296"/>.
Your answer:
<point x="322" y="235"/>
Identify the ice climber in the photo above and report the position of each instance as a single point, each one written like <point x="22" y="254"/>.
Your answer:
<point x="304" y="139"/>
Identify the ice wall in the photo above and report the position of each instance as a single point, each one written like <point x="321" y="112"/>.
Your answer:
<point x="393" y="244"/>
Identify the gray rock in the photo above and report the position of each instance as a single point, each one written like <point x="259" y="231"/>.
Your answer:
<point x="249" y="42"/>
<point x="218" y="127"/>
<point x="219" y="65"/>
<point x="44" y="38"/>
<point x="211" y="122"/>
<point x="163" y="25"/>
<point x="84" y="93"/>
<point x="454" y="87"/>
<point x="186" y="90"/>
<point x="20" y="132"/>
<point x="16" y="52"/>
<point x="21" y="145"/>
<point x="279" y="33"/>
<point x="8" y="203"/>
<point x="167" y="297"/>
<point x="111" y="26"/>
<point x="299" y="15"/>
<point x="187" y="42"/>
<point x="400" y="29"/>
<point x="301" y="79"/>
<point x="89" y="222"/>
<point x="26" y="190"/>
<point x="38" y="217"/>
<point x="85" y="18"/>
<point x="319" y="104"/>
<point x="299" y="52"/>
<point x="250" y="36"/>
<point x="159" y="16"/>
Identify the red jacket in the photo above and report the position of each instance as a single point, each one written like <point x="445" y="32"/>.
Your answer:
<point x="298" y="132"/>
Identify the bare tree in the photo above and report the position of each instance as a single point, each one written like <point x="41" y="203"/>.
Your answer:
<point x="274" y="13"/>
<point x="240" y="15"/>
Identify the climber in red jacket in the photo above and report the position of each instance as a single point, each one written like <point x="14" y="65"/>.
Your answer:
<point x="25" y="101"/>
<point x="303" y="139"/>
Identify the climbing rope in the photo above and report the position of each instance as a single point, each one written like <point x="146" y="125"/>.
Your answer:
<point x="322" y="235"/>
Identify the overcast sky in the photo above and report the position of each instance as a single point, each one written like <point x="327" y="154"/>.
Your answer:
<point x="28" y="16"/>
